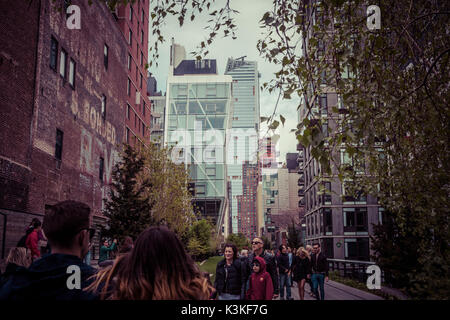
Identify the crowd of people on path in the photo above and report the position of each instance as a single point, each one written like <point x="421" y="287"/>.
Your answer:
<point x="263" y="275"/>
<point x="154" y="267"/>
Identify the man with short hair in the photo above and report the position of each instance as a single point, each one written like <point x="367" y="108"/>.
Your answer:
<point x="284" y="269"/>
<point x="271" y="268"/>
<point x="319" y="264"/>
<point x="56" y="276"/>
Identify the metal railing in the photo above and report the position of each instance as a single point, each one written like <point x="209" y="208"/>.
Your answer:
<point x="354" y="269"/>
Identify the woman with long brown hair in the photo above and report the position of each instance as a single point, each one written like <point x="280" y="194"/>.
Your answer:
<point x="157" y="268"/>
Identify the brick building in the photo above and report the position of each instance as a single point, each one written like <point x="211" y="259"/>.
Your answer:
<point x="134" y="24"/>
<point x="62" y="102"/>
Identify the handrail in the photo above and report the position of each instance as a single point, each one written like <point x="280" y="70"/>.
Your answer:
<point x="352" y="261"/>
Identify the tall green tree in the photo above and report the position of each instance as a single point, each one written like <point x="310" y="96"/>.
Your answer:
<point x="166" y="188"/>
<point x="127" y="208"/>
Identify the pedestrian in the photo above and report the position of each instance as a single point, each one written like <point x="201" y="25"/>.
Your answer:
<point x="244" y="254"/>
<point x="308" y="280"/>
<point x="271" y="268"/>
<point x="231" y="275"/>
<point x="284" y="271"/>
<point x="301" y="270"/>
<point x="127" y="245"/>
<point x="291" y="258"/>
<point x="261" y="285"/>
<point x="319" y="266"/>
<point x="18" y="257"/>
<point x="157" y="268"/>
<point x="67" y="226"/>
<point x="33" y="240"/>
<point x="104" y="258"/>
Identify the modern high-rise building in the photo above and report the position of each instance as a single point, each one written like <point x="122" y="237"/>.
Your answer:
<point x="133" y="20"/>
<point x="341" y="223"/>
<point x="158" y="109"/>
<point x="198" y="114"/>
<point x="243" y="167"/>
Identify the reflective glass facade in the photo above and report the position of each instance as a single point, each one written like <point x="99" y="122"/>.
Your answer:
<point x="243" y="170"/>
<point x="198" y="112"/>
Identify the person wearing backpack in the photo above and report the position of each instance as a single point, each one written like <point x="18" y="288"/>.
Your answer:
<point x="231" y="274"/>
<point x="33" y="239"/>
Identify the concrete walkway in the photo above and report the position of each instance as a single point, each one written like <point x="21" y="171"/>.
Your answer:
<point x="337" y="291"/>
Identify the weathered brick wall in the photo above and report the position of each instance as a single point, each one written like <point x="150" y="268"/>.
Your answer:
<point x="30" y="175"/>
<point x="18" y="38"/>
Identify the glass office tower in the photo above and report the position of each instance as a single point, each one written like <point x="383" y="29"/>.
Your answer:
<point x="243" y="168"/>
<point x="198" y="113"/>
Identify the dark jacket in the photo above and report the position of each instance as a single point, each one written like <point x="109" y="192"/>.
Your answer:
<point x="301" y="268"/>
<point x="319" y="264"/>
<point x="46" y="279"/>
<point x="260" y="286"/>
<point x="271" y="268"/>
<point x="104" y="252"/>
<point x="231" y="279"/>
<point x="11" y="268"/>
<point x="283" y="263"/>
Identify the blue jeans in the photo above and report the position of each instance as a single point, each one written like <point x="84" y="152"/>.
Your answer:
<point x="318" y="279"/>
<point x="285" y="281"/>
<point x="227" y="296"/>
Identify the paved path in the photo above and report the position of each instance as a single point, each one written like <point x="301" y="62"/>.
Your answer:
<point x="337" y="291"/>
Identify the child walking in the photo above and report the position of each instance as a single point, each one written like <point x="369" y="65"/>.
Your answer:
<point x="261" y="287"/>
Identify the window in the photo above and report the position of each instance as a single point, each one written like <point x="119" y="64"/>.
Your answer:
<point x="127" y="135"/>
<point x="355" y="221"/>
<point x="328" y="221"/>
<point x="325" y="128"/>
<point x="100" y="171"/>
<point x="323" y="104"/>
<point x="59" y="144"/>
<point x="140" y="82"/>
<point x="142" y="15"/>
<point x="105" y="56"/>
<point x="128" y="111"/>
<point x="128" y="87"/>
<point x="200" y="190"/>
<point x="143" y="108"/>
<point x="129" y="62"/>
<point x="103" y="107"/>
<point x="142" y="59"/>
<point x="327" y="195"/>
<point x="356" y="249"/>
<point x="72" y="73"/>
<point x="53" y="53"/>
<point x="211" y="172"/>
<point x="143" y="129"/>
<point x="142" y="36"/>
<point x="62" y="63"/>
<point x="130" y="36"/>
<point x="131" y="13"/>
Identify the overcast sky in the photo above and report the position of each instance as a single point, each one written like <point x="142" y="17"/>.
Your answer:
<point x="192" y="33"/>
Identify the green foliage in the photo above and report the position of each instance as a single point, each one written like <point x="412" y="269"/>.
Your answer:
<point x="199" y="239"/>
<point x="128" y="210"/>
<point x="239" y="240"/>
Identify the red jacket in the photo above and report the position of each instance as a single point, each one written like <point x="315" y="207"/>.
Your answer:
<point x="261" y="287"/>
<point x="32" y="244"/>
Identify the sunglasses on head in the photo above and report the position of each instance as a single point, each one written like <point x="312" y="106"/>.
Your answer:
<point x="256" y="242"/>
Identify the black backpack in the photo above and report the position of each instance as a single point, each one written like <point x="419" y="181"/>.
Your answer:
<point x="22" y="242"/>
